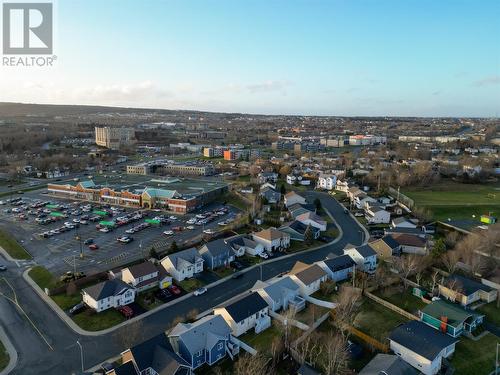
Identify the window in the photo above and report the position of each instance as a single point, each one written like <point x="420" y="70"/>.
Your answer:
<point x="220" y="346"/>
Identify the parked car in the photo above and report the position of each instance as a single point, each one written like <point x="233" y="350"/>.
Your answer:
<point x="78" y="308"/>
<point x="200" y="291"/>
<point x="168" y="233"/>
<point x="175" y="290"/>
<point x="126" y="311"/>
<point x="208" y="231"/>
<point x="88" y="241"/>
<point x="93" y="247"/>
<point x="125" y="239"/>
<point x="3" y="268"/>
<point x="237" y="265"/>
<point x="163" y="294"/>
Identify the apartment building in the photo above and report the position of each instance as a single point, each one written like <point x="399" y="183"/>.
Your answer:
<point x="114" y="138"/>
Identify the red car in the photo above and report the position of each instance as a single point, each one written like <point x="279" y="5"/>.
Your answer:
<point x="177" y="229"/>
<point x="175" y="290"/>
<point x="126" y="311"/>
<point x="93" y="247"/>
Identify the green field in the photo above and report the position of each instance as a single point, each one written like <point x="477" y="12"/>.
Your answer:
<point x="9" y="244"/>
<point x="457" y="201"/>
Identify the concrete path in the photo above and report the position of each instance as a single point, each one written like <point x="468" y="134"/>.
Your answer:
<point x="10" y="350"/>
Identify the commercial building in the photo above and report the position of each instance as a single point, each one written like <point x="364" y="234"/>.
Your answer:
<point x="169" y="167"/>
<point x="179" y="195"/>
<point x="237" y="154"/>
<point x="114" y="138"/>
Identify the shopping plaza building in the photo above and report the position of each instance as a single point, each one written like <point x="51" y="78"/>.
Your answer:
<point x="180" y="195"/>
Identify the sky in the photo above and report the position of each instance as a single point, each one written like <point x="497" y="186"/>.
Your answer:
<point x="310" y="57"/>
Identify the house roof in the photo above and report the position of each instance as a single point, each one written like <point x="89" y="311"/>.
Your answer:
<point x="465" y="285"/>
<point x="157" y="354"/>
<point x="200" y="334"/>
<point x="311" y="216"/>
<point x="390" y="241"/>
<point x="245" y="306"/>
<point x="161" y="193"/>
<point x="281" y="287"/>
<point x="366" y="250"/>
<point x="307" y="273"/>
<point x="298" y="227"/>
<point x="421" y="339"/>
<point x="216" y="248"/>
<point x="455" y="313"/>
<point x="270" y="234"/>
<point x="409" y="240"/>
<point x="291" y="194"/>
<point x="339" y="263"/>
<point x="241" y="240"/>
<point x="388" y="364"/>
<point x="416" y="231"/>
<point x="126" y="368"/>
<point x="106" y="289"/>
<point x="184" y="258"/>
<point x="142" y="269"/>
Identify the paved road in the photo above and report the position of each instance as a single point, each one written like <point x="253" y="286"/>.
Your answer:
<point x="36" y="358"/>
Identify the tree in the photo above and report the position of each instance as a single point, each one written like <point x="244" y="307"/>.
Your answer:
<point x="174" y="247"/>
<point x="308" y="235"/>
<point x="406" y="265"/>
<point x="283" y="189"/>
<point x="335" y="358"/>
<point x="439" y="248"/>
<point x="317" y="204"/>
<point x="347" y="304"/>
<point x="153" y="253"/>
<point x="285" y="170"/>
<point x="251" y="365"/>
<point x="309" y="349"/>
<point x="450" y="260"/>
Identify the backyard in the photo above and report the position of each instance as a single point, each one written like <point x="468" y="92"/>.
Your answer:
<point x="449" y="199"/>
<point x="403" y="299"/>
<point x="492" y="313"/>
<point x="475" y="357"/>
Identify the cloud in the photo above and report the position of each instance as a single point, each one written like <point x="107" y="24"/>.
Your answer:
<point x="122" y="92"/>
<point x="267" y="86"/>
<point x="487" y="81"/>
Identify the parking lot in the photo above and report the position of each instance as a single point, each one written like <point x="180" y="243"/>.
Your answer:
<point x="56" y="231"/>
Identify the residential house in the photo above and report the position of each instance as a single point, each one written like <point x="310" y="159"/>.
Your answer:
<point x="268" y="177"/>
<point x="411" y="244"/>
<point x="217" y="254"/>
<point x="272" y="239"/>
<point x="291" y="179"/>
<point x="245" y="313"/>
<point x="293" y="198"/>
<point x="297" y="230"/>
<point x="388" y="364"/>
<point x="466" y="291"/>
<point x="364" y="256"/>
<point x="153" y="356"/>
<point x="272" y="196"/>
<point x="450" y="318"/>
<point x="280" y="293"/>
<point x="326" y="181"/>
<point x="146" y="275"/>
<point x="308" y="276"/>
<point x="338" y="268"/>
<point x="399" y="230"/>
<point x="206" y="340"/>
<point x="402" y="222"/>
<point x="299" y="209"/>
<point x="377" y="215"/>
<point x="386" y="247"/>
<point x="342" y="186"/>
<point x="108" y="294"/>
<point x="183" y="264"/>
<point x="421" y="346"/>
<point x="243" y="242"/>
<point x="312" y="219"/>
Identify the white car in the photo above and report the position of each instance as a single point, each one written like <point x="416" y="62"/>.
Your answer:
<point x="172" y="218"/>
<point x="208" y="231"/>
<point x="191" y="221"/>
<point x="190" y="227"/>
<point x="168" y="233"/>
<point x="221" y="223"/>
<point x="200" y="291"/>
<point x="263" y="255"/>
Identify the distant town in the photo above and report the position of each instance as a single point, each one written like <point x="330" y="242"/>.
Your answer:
<point x="138" y="241"/>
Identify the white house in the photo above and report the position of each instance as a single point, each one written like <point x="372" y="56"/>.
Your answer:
<point x="293" y="198"/>
<point x="401" y="222"/>
<point x="377" y="215"/>
<point x="280" y="293"/>
<point x="338" y="268"/>
<point x="421" y="346"/>
<point x="183" y="264"/>
<point x="364" y="256"/>
<point x="312" y="219"/>
<point x="291" y="179"/>
<point x="145" y="276"/>
<point x="272" y="239"/>
<point x="326" y="182"/>
<point x="342" y="186"/>
<point x="243" y="243"/>
<point x="108" y="294"/>
<point x="249" y="312"/>
<point x="308" y="276"/>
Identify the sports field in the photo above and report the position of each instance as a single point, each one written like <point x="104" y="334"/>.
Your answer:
<point x="456" y="201"/>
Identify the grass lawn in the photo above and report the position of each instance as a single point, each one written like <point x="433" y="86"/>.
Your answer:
<point x="42" y="277"/>
<point x="92" y="321"/>
<point x="300" y="245"/>
<point x="262" y="342"/>
<point x="147" y="300"/>
<point x="4" y="357"/>
<point x="9" y="244"/>
<point x="376" y="320"/>
<point x="234" y="200"/>
<point x="66" y="302"/>
<point x="190" y="284"/>
<point x="404" y="300"/>
<point x="492" y="313"/>
<point x="449" y="199"/>
<point x="475" y="357"/>
<point x="223" y="272"/>
<point x="310" y="314"/>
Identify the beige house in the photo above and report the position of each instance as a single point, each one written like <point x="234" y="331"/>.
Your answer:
<point x="145" y="276"/>
<point x="272" y="239"/>
<point x="466" y="291"/>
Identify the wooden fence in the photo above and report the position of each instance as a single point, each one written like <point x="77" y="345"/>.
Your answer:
<point x="390" y="306"/>
<point x="384" y="348"/>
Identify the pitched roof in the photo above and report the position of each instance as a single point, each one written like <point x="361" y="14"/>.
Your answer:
<point x="216" y="248"/>
<point x="339" y="263"/>
<point x="126" y="368"/>
<point x="106" y="289"/>
<point x="246" y="306"/>
<point x="366" y="250"/>
<point x="454" y="312"/>
<point x="240" y="240"/>
<point x="142" y="269"/>
<point x="421" y="339"/>
<point x="157" y="354"/>
<point x="311" y="216"/>
<point x="465" y="285"/>
<point x="307" y="273"/>
<point x="388" y="364"/>
<point x="184" y="258"/>
<point x="200" y="334"/>
<point x="161" y="193"/>
<point x="409" y="240"/>
<point x="390" y="241"/>
<point x="270" y="234"/>
<point x="281" y="287"/>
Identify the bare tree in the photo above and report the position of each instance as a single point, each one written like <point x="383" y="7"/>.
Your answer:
<point x="347" y="303"/>
<point x="286" y="328"/>
<point x="407" y="265"/>
<point x="434" y="279"/>
<point x="309" y="349"/>
<point x="251" y="365"/>
<point x="335" y="358"/>
<point x="450" y="260"/>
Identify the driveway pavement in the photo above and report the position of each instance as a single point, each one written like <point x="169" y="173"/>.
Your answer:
<point x="35" y="357"/>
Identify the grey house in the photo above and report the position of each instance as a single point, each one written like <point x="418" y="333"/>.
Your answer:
<point x="281" y="293"/>
<point x="217" y="254"/>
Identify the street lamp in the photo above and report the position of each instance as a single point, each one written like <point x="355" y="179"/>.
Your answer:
<point x="81" y="352"/>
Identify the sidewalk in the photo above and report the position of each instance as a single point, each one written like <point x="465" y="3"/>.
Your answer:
<point x="10" y="350"/>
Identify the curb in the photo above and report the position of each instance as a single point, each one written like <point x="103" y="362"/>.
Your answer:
<point x="71" y="324"/>
<point x="10" y="350"/>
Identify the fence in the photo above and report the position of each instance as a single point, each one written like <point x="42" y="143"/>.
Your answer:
<point x="384" y="348"/>
<point x="407" y="201"/>
<point x="390" y="306"/>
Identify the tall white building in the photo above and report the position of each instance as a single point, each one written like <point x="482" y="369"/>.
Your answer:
<point x="114" y="138"/>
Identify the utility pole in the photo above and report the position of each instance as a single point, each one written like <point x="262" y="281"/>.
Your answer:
<point x="81" y="353"/>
